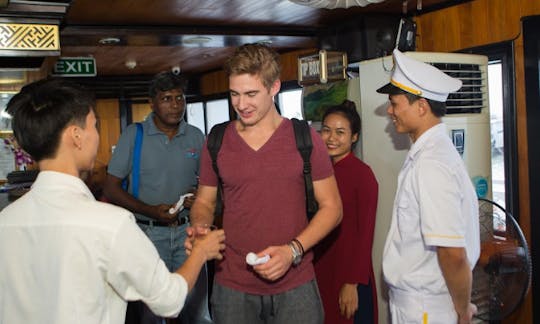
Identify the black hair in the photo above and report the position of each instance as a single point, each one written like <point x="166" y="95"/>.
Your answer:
<point x="348" y="110"/>
<point x="166" y="81"/>
<point x="43" y="109"/>
<point x="438" y="108"/>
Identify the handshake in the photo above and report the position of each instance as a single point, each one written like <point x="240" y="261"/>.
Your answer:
<point x="205" y="240"/>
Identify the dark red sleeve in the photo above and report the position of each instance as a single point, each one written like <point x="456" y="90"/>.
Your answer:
<point x="358" y="229"/>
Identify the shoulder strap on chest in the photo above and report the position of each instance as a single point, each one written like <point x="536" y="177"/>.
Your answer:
<point x="136" y="161"/>
<point x="302" y="135"/>
<point x="215" y="139"/>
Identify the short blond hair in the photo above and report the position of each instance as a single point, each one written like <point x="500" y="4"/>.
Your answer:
<point x="255" y="59"/>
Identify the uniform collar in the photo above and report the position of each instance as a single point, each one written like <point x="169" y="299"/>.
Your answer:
<point x="51" y="180"/>
<point x="424" y="139"/>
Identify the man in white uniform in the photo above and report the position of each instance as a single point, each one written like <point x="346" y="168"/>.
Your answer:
<point x="64" y="257"/>
<point x="434" y="240"/>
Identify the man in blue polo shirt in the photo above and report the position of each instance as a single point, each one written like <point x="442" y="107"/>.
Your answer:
<point x="168" y="168"/>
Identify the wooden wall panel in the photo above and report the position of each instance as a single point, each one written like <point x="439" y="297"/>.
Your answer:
<point x="524" y="313"/>
<point x="289" y="64"/>
<point x="214" y="82"/>
<point x="470" y="24"/>
<point x="483" y="22"/>
<point x="109" y="128"/>
<point x="140" y="111"/>
<point x="529" y="7"/>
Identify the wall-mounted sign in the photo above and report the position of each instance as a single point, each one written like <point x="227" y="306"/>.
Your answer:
<point x="75" y="67"/>
<point x="29" y="37"/>
<point x="322" y="67"/>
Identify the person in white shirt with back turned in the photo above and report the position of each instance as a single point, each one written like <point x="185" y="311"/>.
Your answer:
<point x="434" y="237"/>
<point x="66" y="258"/>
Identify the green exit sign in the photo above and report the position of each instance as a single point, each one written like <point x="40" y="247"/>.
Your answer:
<point x="75" y="67"/>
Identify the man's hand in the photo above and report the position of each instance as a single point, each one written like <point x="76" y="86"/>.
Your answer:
<point x="279" y="263"/>
<point x="466" y="318"/>
<point x="211" y="244"/>
<point x="188" y="243"/>
<point x="348" y="300"/>
<point x="161" y="213"/>
<point x="194" y="231"/>
<point x="188" y="201"/>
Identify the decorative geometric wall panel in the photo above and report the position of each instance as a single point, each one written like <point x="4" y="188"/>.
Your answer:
<point x="29" y="37"/>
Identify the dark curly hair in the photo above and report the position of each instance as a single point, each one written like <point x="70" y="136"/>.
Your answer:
<point x="166" y="81"/>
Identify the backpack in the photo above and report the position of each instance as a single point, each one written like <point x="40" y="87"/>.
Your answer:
<point x="304" y="145"/>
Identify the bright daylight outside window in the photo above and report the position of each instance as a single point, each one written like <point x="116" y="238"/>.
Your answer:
<point x="217" y="111"/>
<point x="497" y="132"/>
<point x="290" y="104"/>
<point x="195" y="115"/>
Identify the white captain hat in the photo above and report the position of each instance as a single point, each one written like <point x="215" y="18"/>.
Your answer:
<point x="419" y="78"/>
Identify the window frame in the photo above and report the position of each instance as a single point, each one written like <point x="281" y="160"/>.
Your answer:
<point x="504" y="52"/>
<point x="205" y="99"/>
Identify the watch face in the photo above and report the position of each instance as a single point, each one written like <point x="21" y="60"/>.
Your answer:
<point x="297" y="259"/>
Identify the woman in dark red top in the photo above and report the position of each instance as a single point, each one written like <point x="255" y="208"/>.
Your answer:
<point x="343" y="259"/>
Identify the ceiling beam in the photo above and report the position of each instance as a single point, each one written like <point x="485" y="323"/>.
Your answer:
<point x="90" y="35"/>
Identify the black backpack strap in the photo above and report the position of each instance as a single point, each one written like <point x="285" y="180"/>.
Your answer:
<point x="302" y="135"/>
<point x="215" y="138"/>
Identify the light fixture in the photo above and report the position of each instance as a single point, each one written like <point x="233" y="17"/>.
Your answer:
<point x="131" y="64"/>
<point x="109" y="41"/>
<point x="265" y="42"/>
<point x="333" y="4"/>
<point x="197" y="40"/>
<point x="12" y="77"/>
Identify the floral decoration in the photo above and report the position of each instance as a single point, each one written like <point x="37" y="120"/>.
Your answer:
<point x="22" y="159"/>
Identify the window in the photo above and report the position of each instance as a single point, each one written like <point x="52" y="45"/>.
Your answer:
<point x="217" y="111"/>
<point x="290" y="103"/>
<point x="497" y="131"/>
<point x="195" y="115"/>
<point x="503" y="123"/>
<point x="204" y="113"/>
<point x="5" y="118"/>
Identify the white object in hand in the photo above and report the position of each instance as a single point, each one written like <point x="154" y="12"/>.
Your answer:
<point x="180" y="204"/>
<point x="252" y="259"/>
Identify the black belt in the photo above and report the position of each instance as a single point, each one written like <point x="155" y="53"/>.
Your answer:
<point x="177" y="222"/>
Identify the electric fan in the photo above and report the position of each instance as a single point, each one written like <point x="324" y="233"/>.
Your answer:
<point x="502" y="275"/>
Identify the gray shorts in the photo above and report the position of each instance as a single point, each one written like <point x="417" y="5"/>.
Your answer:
<point x="299" y="305"/>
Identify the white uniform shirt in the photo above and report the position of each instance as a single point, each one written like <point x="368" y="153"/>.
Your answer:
<point x="435" y="205"/>
<point x="66" y="258"/>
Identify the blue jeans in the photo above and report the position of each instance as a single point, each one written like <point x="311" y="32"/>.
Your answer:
<point x="169" y="242"/>
<point x="299" y="305"/>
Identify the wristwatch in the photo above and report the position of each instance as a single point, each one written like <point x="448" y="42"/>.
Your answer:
<point x="297" y="255"/>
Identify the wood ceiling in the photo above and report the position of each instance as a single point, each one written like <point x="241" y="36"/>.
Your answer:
<point x="160" y="34"/>
<point x="156" y="33"/>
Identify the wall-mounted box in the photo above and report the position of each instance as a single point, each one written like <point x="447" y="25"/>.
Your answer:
<point x="322" y="67"/>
